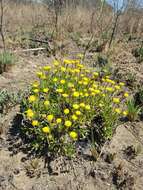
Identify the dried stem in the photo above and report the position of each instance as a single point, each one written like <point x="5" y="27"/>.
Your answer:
<point x="1" y="24"/>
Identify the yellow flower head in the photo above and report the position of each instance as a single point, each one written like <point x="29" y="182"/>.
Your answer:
<point x="67" y="61"/>
<point x="93" y="94"/>
<point x="46" y="103"/>
<point x="117" y="110"/>
<point x="80" y="65"/>
<point x="36" y="90"/>
<point x="109" y="89"/>
<point x="63" y="69"/>
<point x="43" y="76"/>
<point x="116" y="100"/>
<point x="96" y="74"/>
<point x="66" y="111"/>
<point x="86" y="94"/>
<point x="87" y="107"/>
<point x="39" y="74"/>
<point x="117" y="87"/>
<point x="59" y="120"/>
<point x="30" y="113"/>
<point x="68" y="123"/>
<point x="77" y="71"/>
<point x="85" y="83"/>
<point x="46" y="129"/>
<point x="73" y="135"/>
<point x="35" y="84"/>
<point x="125" y="113"/>
<point x="65" y="95"/>
<point x="87" y="70"/>
<point x="97" y="91"/>
<point x="74" y="117"/>
<point x="78" y="112"/>
<point x="122" y="84"/>
<point x="79" y="82"/>
<point x="109" y="81"/>
<point x="91" y="89"/>
<point x="35" y="123"/>
<point x="46" y="68"/>
<point x="32" y="98"/>
<point x="50" y="117"/>
<point x="103" y="95"/>
<point x="126" y="94"/>
<point x="76" y="94"/>
<point x="103" y="79"/>
<point x="95" y="85"/>
<point x="55" y="79"/>
<point x="77" y="61"/>
<point x="85" y="79"/>
<point x="56" y="63"/>
<point x="62" y="81"/>
<point x="82" y="105"/>
<point x="45" y="90"/>
<point x="70" y="85"/>
<point x="60" y="90"/>
<point x="75" y="106"/>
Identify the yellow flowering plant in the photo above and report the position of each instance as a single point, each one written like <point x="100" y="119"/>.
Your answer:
<point x="64" y="101"/>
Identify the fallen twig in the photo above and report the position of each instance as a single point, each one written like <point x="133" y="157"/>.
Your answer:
<point x="32" y="49"/>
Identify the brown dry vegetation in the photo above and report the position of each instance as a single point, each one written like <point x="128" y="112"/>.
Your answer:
<point x="22" y="19"/>
<point x="66" y="31"/>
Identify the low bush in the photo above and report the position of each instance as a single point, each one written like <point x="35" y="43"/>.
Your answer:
<point x="63" y="103"/>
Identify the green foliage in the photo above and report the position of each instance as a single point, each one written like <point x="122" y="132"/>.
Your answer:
<point x="6" y="60"/>
<point x="139" y="97"/>
<point x="101" y="61"/>
<point x="8" y="100"/>
<point x="133" y="110"/>
<point x="64" y="101"/>
<point x="138" y="53"/>
<point x="130" y="80"/>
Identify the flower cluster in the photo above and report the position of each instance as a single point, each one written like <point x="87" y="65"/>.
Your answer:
<point x="67" y="96"/>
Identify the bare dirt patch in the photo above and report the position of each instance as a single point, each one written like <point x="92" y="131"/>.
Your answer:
<point x="23" y="72"/>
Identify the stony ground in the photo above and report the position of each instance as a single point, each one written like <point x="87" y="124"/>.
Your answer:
<point x="120" y="165"/>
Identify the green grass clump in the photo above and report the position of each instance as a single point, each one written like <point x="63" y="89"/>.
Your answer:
<point x="64" y="101"/>
<point x="6" y="60"/>
<point x="133" y="110"/>
<point x="8" y="100"/>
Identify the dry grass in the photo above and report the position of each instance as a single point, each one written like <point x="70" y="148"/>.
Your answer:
<point x="21" y="16"/>
<point x="20" y="19"/>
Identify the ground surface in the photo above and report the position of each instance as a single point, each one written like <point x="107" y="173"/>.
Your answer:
<point x="120" y="165"/>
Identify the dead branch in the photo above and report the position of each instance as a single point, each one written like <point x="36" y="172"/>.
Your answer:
<point x="1" y="24"/>
<point x="32" y="49"/>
